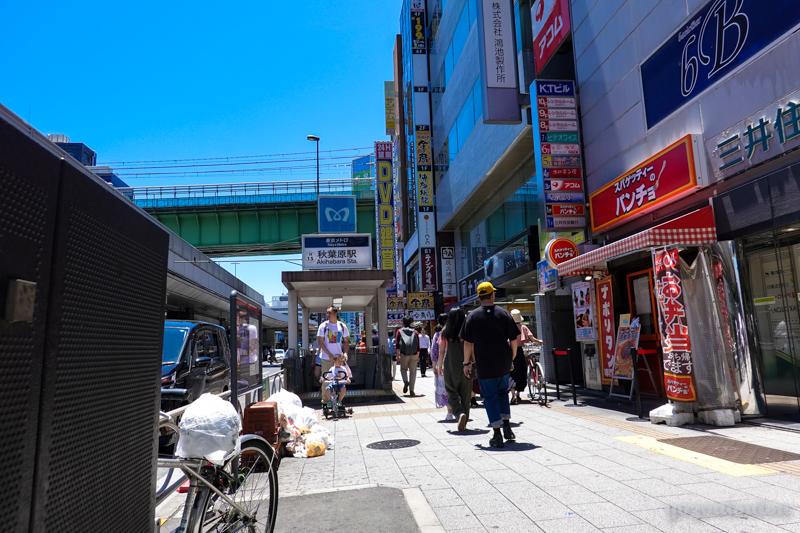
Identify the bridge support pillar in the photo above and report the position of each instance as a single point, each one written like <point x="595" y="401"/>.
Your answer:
<point x="292" y="333"/>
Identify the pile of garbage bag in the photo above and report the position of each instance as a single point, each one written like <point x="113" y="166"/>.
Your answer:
<point x="300" y="431"/>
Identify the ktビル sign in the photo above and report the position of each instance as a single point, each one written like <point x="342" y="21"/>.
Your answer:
<point x="558" y="251"/>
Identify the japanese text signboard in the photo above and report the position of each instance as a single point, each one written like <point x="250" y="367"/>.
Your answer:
<point x="337" y="251"/>
<point x="583" y="311"/>
<point x="550" y="20"/>
<point x="678" y="365"/>
<point x="388" y="96"/>
<point x="499" y="46"/>
<point x="548" y="276"/>
<point x="668" y="175"/>
<point x="427" y="266"/>
<point x="559" y="155"/>
<point x="384" y="205"/>
<point x="420" y="305"/>
<point x="449" y="280"/>
<point x="770" y="133"/>
<point x="720" y="37"/>
<point x="605" y="322"/>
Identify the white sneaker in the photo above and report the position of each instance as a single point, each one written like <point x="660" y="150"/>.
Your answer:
<point x="449" y="417"/>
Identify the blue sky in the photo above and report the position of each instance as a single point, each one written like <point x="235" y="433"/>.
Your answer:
<point x="175" y="80"/>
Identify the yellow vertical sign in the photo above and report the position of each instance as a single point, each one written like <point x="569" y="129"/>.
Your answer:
<point x="388" y="95"/>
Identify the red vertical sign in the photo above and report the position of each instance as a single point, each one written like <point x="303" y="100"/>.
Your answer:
<point x="605" y="316"/>
<point x="678" y="364"/>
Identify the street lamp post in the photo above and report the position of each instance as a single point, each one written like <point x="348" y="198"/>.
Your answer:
<point x="316" y="140"/>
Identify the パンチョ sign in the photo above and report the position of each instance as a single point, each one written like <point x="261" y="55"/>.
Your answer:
<point x="679" y="382"/>
<point x="550" y="19"/>
<point x="717" y="39"/>
<point x="670" y="174"/>
<point x="559" y="250"/>
<point x="337" y="251"/>
<point x="605" y="323"/>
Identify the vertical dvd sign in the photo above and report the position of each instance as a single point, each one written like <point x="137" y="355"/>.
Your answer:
<point x="384" y="207"/>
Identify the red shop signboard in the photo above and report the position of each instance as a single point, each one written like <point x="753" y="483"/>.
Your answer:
<point x="427" y="266"/>
<point x="668" y="175"/>
<point x="678" y="364"/>
<point x="605" y="320"/>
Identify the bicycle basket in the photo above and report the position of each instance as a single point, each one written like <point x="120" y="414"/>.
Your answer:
<point x="530" y="348"/>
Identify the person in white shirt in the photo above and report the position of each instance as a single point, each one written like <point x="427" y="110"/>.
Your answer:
<point x="424" y="348"/>
<point x="333" y="339"/>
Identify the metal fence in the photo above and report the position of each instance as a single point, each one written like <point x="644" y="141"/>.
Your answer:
<point x="257" y="192"/>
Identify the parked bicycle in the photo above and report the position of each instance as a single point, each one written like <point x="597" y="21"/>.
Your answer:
<point x="537" y="388"/>
<point x="241" y="495"/>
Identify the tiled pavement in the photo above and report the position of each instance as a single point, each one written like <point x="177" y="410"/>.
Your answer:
<point x="567" y="472"/>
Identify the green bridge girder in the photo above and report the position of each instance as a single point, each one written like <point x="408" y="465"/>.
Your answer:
<point x="229" y="231"/>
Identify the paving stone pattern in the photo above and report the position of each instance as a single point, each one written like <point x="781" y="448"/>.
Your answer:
<point x="566" y="473"/>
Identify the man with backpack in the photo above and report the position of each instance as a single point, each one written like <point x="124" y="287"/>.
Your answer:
<point x="333" y="339"/>
<point x="407" y="346"/>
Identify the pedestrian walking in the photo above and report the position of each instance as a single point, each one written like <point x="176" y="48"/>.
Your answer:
<point x="440" y="394"/>
<point x="408" y="354"/>
<point x="490" y="334"/>
<point x="424" y="347"/>
<point x="457" y="382"/>
<point x="392" y="355"/>
<point x="519" y="375"/>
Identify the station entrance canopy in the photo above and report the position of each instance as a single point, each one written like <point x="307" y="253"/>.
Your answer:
<point x="316" y="290"/>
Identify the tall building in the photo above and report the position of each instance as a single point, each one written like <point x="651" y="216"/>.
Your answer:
<point x="604" y="160"/>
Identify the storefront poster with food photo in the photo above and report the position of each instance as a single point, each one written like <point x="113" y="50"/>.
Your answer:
<point x="678" y="365"/>
<point x="627" y="339"/>
<point x="582" y="304"/>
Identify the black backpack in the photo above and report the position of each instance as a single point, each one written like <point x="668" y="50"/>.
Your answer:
<point x="408" y="343"/>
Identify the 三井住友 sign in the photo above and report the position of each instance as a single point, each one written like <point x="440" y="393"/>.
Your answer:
<point x="670" y="174"/>
<point x="720" y="37"/>
<point x="337" y="252"/>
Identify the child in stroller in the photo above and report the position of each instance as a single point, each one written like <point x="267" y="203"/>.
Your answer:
<point x="336" y="378"/>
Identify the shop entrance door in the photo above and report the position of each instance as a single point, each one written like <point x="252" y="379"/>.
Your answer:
<point x="642" y="304"/>
<point x="773" y="262"/>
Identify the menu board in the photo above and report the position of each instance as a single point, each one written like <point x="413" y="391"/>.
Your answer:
<point x="627" y="339"/>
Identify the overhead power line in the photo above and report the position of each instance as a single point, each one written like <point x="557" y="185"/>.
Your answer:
<point x="120" y="164"/>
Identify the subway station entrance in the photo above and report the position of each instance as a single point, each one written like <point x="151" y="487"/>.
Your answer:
<point x="347" y="290"/>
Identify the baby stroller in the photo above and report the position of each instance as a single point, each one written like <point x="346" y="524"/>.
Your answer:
<point x="335" y="384"/>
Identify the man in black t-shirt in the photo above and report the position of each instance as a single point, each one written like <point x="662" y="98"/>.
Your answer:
<point x="491" y="334"/>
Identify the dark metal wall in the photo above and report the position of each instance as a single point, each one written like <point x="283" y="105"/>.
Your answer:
<point x="79" y="386"/>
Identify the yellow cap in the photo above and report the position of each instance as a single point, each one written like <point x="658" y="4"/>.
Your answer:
<point x="485" y="289"/>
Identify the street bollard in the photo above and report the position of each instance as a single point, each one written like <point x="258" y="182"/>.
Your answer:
<point x="635" y="385"/>
<point x="555" y="371"/>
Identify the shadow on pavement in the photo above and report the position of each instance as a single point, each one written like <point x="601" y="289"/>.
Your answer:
<point x="511" y="446"/>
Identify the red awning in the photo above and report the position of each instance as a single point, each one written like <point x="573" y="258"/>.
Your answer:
<point x="696" y="227"/>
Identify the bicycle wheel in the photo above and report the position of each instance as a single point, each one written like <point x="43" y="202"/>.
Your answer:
<point x="532" y="389"/>
<point x="541" y="386"/>
<point x="255" y="490"/>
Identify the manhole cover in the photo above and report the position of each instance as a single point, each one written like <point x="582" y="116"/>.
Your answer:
<point x="393" y="444"/>
<point x="735" y="451"/>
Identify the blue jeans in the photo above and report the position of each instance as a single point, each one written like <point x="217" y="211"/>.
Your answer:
<point x="495" y="399"/>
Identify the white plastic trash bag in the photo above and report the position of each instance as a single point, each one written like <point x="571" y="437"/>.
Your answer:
<point x="285" y="397"/>
<point x="209" y="429"/>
